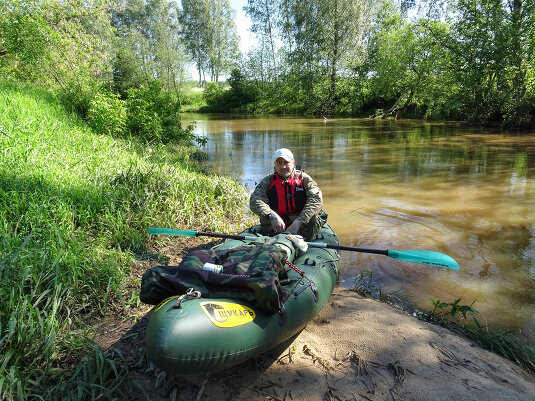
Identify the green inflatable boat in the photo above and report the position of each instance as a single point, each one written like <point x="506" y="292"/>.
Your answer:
<point x="188" y="333"/>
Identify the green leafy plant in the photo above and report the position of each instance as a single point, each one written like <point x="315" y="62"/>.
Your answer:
<point x="213" y="93"/>
<point x="107" y="114"/>
<point x="455" y="309"/>
<point x="506" y="344"/>
<point x="366" y="285"/>
<point x="102" y="375"/>
<point x="153" y="115"/>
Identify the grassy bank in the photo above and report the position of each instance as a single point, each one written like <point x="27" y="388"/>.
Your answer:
<point x="73" y="209"/>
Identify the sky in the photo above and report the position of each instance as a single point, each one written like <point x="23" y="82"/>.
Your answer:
<point x="243" y="24"/>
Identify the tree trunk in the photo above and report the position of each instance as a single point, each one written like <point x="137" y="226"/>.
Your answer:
<point x="272" y="44"/>
<point x="334" y="60"/>
<point x="395" y="111"/>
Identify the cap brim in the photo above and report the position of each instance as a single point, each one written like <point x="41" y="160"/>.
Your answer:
<point x="284" y="158"/>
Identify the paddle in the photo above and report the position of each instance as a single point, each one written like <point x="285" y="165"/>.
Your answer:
<point x="422" y="257"/>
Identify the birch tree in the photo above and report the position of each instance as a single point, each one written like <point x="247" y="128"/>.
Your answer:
<point x="210" y="36"/>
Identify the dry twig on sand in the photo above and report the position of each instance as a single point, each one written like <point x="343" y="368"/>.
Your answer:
<point x="316" y="358"/>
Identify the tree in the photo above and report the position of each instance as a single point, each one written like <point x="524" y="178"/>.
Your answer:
<point x="319" y="40"/>
<point x="24" y="32"/>
<point x="404" y="67"/>
<point x="223" y="39"/>
<point x="65" y="46"/>
<point x="346" y="24"/>
<point x="195" y="21"/>
<point x="149" y="46"/>
<point x="266" y="16"/>
<point x="167" y="46"/>
<point x="491" y="44"/>
<point x="210" y="36"/>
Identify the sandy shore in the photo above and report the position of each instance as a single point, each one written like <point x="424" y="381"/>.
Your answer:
<point x="355" y="349"/>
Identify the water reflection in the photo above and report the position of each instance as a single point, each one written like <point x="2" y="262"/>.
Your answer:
<point x="468" y="193"/>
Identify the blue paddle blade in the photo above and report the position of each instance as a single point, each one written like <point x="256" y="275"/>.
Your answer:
<point x="171" y="232"/>
<point x="429" y="258"/>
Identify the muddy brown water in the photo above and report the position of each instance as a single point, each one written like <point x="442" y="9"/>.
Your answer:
<point x="401" y="185"/>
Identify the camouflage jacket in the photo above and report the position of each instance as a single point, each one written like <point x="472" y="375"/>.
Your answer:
<point x="251" y="272"/>
<point x="313" y="206"/>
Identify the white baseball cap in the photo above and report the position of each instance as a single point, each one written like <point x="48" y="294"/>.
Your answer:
<point x="285" y="154"/>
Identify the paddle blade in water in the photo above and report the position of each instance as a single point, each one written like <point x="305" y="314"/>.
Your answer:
<point x="429" y="258"/>
<point x="171" y="232"/>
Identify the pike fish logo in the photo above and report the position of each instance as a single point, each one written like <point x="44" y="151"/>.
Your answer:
<point x="227" y="314"/>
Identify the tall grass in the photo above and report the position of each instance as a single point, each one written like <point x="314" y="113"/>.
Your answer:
<point x="504" y="343"/>
<point x="192" y="99"/>
<point x="73" y="209"/>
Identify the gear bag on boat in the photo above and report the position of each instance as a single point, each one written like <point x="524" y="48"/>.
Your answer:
<point x="251" y="272"/>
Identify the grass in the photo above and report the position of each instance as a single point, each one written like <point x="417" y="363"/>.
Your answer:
<point x="73" y="209"/>
<point x="504" y="343"/>
<point x="192" y="99"/>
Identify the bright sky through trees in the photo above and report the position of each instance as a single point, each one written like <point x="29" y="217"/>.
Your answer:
<point x="243" y="24"/>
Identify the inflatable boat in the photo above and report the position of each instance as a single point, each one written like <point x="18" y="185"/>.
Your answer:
<point x="189" y="334"/>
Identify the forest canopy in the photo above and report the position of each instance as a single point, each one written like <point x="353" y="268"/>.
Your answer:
<point x="468" y="60"/>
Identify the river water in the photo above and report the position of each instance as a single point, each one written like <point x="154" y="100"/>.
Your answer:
<point x="401" y="185"/>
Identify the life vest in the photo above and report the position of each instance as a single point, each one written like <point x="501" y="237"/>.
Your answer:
<point x="287" y="196"/>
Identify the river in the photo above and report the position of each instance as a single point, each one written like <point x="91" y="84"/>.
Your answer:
<point x="401" y="185"/>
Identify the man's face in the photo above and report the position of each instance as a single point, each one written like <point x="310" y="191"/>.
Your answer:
<point x="284" y="168"/>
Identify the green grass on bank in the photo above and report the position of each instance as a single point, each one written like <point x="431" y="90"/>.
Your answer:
<point x="193" y="99"/>
<point x="73" y="209"/>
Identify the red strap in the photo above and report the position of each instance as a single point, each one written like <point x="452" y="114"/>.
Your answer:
<point x="301" y="272"/>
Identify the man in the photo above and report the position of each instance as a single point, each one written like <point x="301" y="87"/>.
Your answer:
<point x="288" y="200"/>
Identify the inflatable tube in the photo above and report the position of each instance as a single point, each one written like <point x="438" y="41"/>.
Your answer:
<point x="188" y="335"/>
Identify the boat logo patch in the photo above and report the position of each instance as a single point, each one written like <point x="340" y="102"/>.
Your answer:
<point x="227" y="314"/>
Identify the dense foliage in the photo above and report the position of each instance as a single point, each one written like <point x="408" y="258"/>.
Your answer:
<point x="120" y="65"/>
<point x="74" y="200"/>
<point x="457" y="59"/>
<point x="460" y="59"/>
<point x="210" y="35"/>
